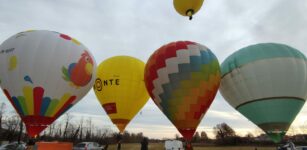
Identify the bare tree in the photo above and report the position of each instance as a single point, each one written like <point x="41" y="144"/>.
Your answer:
<point x="196" y="137"/>
<point x="20" y="130"/>
<point x="258" y="131"/>
<point x="225" y="134"/>
<point x="223" y="130"/>
<point x="105" y="135"/>
<point x="51" y="129"/>
<point x="81" y="129"/>
<point x="11" y="125"/>
<point x="2" y="111"/>
<point x="303" y="128"/>
<point x="292" y="130"/>
<point x="249" y="135"/>
<point x="204" y="136"/>
<point x="68" y="118"/>
<point x="88" y="134"/>
<point x="58" y="131"/>
<point x="65" y="130"/>
<point x="74" y="135"/>
<point x="177" y="136"/>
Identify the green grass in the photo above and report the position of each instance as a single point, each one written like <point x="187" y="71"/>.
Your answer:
<point x="160" y="146"/>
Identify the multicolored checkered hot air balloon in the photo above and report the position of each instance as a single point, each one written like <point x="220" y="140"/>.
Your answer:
<point x="267" y="84"/>
<point x="43" y="74"/>
<point x="182" y="78"/>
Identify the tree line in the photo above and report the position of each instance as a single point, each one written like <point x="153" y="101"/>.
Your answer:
<point x="225" y="135"/>
<point x="12" y="129"/>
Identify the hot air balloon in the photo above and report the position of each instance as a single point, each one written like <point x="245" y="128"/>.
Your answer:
<point x="267" y="84"/>
<point x="182" y="78"/>
<point x="187" y="7"/>
<point x="120" y="88"/>
<point x="43" y="74"/>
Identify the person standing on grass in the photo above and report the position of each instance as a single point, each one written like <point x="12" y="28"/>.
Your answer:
<point x="144" y="144"/>
<point x="31" y="145"/>
<point x="106" y="146"/>
<point x="119" y="140"/>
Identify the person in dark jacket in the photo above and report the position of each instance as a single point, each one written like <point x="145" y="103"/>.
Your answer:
<point x="144" y="144"/>
<point x="30" y="144"/>
<point x="119" y="140"/>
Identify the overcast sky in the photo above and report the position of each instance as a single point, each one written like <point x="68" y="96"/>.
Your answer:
<point x="139" y="27"/>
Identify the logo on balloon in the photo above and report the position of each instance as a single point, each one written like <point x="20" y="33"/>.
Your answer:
<point x="110" y="82"/>
<point x="80" y="73"/>
<point x="7" y="50"/>
<point x="98" y="84"/>
<point x="110" y="108"/>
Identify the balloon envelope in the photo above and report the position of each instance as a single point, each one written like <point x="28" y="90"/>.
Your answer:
<point x="182" y="78"/>
<point x="120" y="88"/>
<point x="187" y="7"/>
<point x="267" y="84"/>
<point x="43" y="74"/>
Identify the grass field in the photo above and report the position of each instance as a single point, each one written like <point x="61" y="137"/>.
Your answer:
<point x="160" y="146"/>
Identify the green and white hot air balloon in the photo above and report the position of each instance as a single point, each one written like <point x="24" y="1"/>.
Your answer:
<point x="267" y="83"/>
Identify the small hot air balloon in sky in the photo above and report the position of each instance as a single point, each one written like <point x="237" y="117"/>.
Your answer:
<point x="182" y="78"/>
<point x="267" y="84"/>
<point x="188" y="7"/>
<point x="120" y="88"/>
<point x="43" y="74"/>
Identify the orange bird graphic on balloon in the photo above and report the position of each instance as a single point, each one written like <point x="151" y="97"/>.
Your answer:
<point x="80" y="73"/>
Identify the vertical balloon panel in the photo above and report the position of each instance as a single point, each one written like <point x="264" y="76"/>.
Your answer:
<point x="43" y="74"/>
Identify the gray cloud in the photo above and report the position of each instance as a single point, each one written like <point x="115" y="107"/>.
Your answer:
<point x="138" y="28"/>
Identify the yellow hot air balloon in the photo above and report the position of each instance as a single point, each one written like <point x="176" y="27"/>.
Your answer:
<point x="187" y="7"/>
<point x="120" y="88"/>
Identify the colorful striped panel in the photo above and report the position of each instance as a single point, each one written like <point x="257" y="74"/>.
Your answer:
<point x="38" y="93"/>
<point x="51" y="107"/>
<point x="44" y="107"/>
<point x="28" y="94"/>
<point x="61" y="103"/>
<point x="258" y="52"/>
<point x="41" y="106"/>
<point x="274" y="116"/>
<point x="18" y="106"/>
<point x="23" y="105"/>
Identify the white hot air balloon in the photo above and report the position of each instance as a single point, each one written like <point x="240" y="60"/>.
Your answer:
<point x="43" y="74"/>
